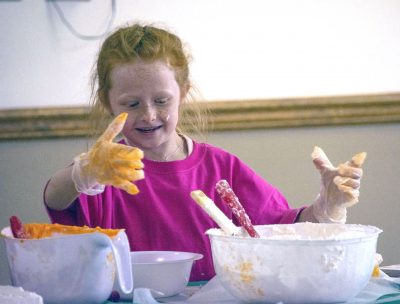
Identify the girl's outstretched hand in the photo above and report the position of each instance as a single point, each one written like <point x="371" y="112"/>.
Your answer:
<point x="339" y="186"/>
<point x="108" y="163"/>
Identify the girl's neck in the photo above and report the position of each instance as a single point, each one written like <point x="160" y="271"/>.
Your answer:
<point x="176" y="151"/>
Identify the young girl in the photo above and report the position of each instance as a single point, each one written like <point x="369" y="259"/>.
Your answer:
<point x="142" y="78"/>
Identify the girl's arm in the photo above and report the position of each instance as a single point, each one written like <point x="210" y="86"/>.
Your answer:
<point x="60" y="191"/>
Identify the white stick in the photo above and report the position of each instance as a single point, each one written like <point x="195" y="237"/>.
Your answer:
<point x="214" y="212"/>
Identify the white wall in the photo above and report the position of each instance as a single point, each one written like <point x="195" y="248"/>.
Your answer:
<point x="241" y="49"/>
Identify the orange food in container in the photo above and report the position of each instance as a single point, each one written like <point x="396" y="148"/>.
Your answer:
<point x="69" y="264"/>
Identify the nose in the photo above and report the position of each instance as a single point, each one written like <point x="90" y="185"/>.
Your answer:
<point x="149" y="114"/>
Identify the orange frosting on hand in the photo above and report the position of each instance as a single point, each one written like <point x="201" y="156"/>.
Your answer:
<point x="42" y="230"/>
<point x="115" y="164"/>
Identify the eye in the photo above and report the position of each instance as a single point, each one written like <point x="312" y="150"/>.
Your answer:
<point x="132" y="104"/>
<point x="161" y="101"/>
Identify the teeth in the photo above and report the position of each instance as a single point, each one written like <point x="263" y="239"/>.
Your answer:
<point x="148" y="129"/>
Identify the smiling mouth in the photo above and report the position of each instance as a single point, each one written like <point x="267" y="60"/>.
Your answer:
<point x="148" y="129"/>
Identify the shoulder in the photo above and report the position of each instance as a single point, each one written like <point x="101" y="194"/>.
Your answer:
<point x="211" y="150"/>
<point x="217" y="155"/>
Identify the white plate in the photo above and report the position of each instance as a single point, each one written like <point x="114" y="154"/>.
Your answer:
<point x="392" y="270"/>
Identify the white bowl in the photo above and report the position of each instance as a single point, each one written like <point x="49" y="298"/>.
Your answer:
<point x="165" y="273"/>
<point x="69" y="269"/>
<point x="296" y="263"/>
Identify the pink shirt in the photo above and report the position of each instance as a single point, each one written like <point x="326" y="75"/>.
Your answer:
<point x="163" y="216"/>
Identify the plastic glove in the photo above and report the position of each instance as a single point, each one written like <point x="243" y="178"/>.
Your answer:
<point x="339" y="186"/>
<point x="108" y="163"/>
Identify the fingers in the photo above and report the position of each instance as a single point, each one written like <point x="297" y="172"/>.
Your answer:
<point x="320" y="159"/>
<point x="351" y="168"/>
<point x="349" y="189"/>
<point x="340" y="185"/>
<point x="125" y="162"/>
<point x="131" y="188"/>
<point x="116" y="164"/>
<point x="134" y="152"/>
<point x="357" y="160"/>
<point x="126" y="152"/>
<point x="126" y="185"/>
<point x="129" y="175"/>
<point x="128" y="163"/>
<point x="125" y="156"/>
<point x="114" y="128"/>
<point x="346" y="181"/>
<point x="348" y="171"/>
<point x="136" y="175"/>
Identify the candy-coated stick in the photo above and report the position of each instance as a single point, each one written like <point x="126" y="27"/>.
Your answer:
<point x="17" y="228"/>
<point x="230" y="198"/>
<point x="214" y="212"/>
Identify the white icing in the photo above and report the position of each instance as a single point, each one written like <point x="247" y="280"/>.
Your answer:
<point x="306" y="231"/>
<point x="214" y="212"/>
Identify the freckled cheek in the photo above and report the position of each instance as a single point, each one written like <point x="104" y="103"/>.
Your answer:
<point x="172" y="121"/>
<point x="169" y="115"/>
<point x="164" y="116"/>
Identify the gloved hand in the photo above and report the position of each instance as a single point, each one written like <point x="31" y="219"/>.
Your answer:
<point x="339" y="186"/>
<point x="108" y="163"/>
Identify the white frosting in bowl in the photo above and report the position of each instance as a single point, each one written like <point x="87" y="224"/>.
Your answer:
<point x="296" y="263"/>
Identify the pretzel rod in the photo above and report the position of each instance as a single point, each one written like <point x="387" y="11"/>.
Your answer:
<point x="230" y="198"/>
<point x="18" y="228"/>
<point x="212" y="210"/>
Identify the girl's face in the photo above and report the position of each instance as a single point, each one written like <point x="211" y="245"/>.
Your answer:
<point x="150" y="95"/>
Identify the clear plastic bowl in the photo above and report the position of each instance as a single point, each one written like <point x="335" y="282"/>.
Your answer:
<point x="165" y="273"/>
<point x="296" y="263"/>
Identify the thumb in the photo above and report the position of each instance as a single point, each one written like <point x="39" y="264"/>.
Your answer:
<point x="320" y="159"/>
<point x="114" y="128"/>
